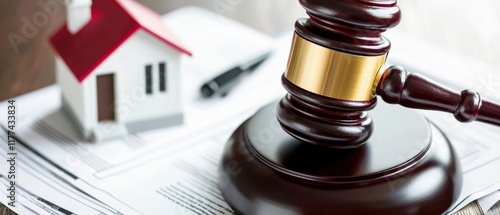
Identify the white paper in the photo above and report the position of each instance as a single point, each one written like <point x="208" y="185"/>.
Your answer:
<point x="184" y="182"/>
<point x="488" y="201"/>
<point x="19" y="209"/>
<point x="39" y="190"/>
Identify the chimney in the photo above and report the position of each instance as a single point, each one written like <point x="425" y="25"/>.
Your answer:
<point x="78" y="14"/>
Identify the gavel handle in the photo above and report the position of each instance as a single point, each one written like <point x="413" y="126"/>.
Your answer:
<point x="397" y="86"/>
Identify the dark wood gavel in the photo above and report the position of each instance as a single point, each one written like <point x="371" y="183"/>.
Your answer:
<point x="337" y="151"/>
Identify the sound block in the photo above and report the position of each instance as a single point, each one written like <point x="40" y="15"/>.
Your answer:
<point x="406" y="167"/>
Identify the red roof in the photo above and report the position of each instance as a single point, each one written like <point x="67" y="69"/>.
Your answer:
<point x="112" y="23"/>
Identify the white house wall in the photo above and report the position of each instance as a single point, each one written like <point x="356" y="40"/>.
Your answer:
<point x="128" y="64"/>
<point x="74" y="96"/>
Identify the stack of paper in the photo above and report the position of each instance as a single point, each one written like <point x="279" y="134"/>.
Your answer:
<point x="174" y="170"/>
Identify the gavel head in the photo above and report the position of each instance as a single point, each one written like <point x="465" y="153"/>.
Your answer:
<point x="336" y="61"/>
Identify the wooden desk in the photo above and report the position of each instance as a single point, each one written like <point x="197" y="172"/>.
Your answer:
<point x="32" y="65"/>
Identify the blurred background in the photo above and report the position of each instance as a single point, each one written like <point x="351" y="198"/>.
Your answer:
<point x="472" y="29"/>
<point x="459" y="26"/>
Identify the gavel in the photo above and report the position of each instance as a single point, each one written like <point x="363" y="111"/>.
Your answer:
<point x="327" y="147"/>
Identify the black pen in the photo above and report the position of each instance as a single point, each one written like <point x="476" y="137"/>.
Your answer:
<point x="225" y="81"/>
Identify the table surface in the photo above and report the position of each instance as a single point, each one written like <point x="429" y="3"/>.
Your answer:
<point x="29" y="65"/>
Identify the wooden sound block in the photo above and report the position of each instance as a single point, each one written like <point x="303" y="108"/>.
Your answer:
<point x="406" y="167"/>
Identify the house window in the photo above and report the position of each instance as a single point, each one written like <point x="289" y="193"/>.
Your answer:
<point x="149" y="79"/>
<point x="163" y="77"/>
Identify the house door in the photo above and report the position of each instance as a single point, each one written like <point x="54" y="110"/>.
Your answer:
<point x="106" y="97"/>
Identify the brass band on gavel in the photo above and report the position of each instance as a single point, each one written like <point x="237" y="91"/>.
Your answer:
<point x="332" y="73"/>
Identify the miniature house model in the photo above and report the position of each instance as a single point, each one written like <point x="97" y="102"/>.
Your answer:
<point x="118" y="68"/>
